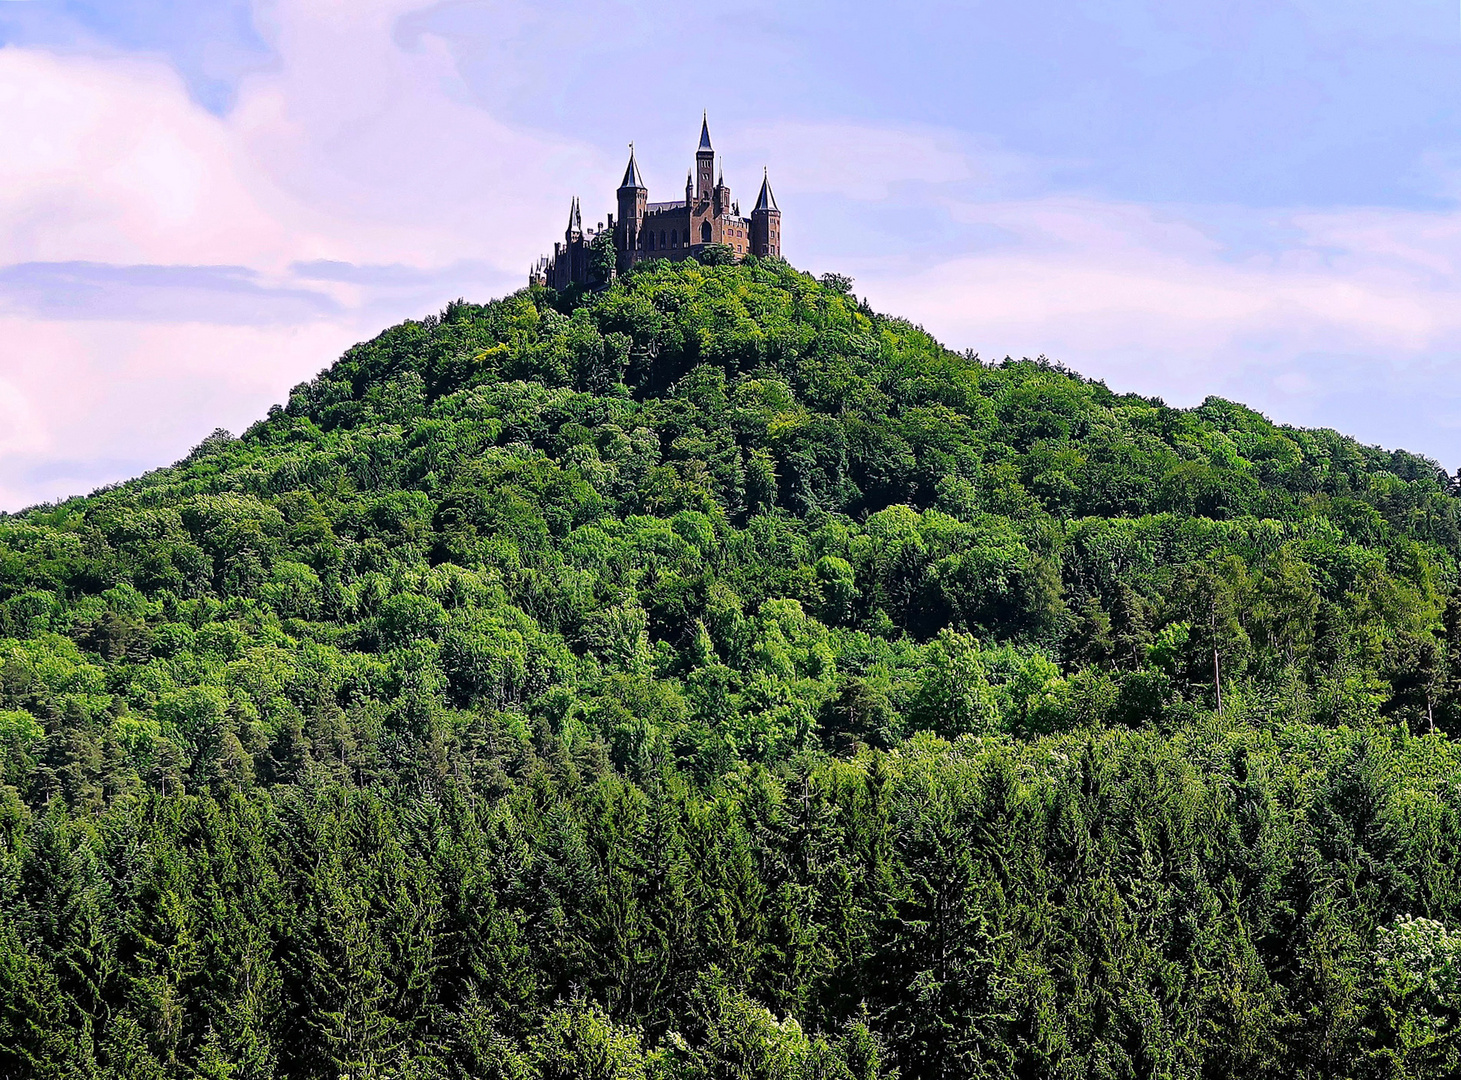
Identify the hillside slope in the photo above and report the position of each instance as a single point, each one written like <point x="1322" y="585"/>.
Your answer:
<point x="712" y="677"/>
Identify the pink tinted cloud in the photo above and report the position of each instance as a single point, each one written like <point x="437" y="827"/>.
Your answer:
<point x="353" y="150"/>
<point x="89" y="402"/>
<point x="109" y="161"/>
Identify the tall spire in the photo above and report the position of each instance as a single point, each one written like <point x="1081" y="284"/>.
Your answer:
<point x="705" y="164"/>
<point x="632" y="179"/>
<point x="766" y="200"/>
<point x="575" y="219"/>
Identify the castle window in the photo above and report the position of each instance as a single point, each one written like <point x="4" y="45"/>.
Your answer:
<point x="674" y="238"/>
<point x="650" y="243"/>
<point x="661" y="238"/>
<point x="705" y="232"/>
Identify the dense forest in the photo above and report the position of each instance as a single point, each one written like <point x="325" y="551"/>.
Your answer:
<point x="708" y="677"/>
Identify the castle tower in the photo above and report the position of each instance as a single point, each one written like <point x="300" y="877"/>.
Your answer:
<point x="574" y="232"/>
<point x="633" y="201"/>
<point x="704" y="163"/>
<point x="766" y="222"/>
<point x="722" y="192"/>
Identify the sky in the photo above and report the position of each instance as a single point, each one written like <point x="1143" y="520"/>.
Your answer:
<point x="204" y="202"/>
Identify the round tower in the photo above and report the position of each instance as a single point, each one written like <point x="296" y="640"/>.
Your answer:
<point x="766" y="222"/>
<point x="633" y="200"/>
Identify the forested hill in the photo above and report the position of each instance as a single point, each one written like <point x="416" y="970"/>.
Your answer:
<point x="709" y="677"/>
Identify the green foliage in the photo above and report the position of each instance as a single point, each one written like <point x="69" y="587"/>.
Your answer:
<point x="602" y="257"/>
<point x="716" y="255"/>
<point x="1418" y="1004"/>
<point x="705" y="676"/>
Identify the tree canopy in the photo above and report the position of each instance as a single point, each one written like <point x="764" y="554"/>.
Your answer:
<point x="707" y="676"/>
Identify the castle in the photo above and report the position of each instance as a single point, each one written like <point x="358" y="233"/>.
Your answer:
<point x="664" y="230"/>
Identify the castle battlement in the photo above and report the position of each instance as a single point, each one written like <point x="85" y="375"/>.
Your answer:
<point x="679" y="229"/>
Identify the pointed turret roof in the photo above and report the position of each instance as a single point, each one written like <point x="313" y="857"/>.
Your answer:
<point x="766" y="200"/>
<point x="632" y="179"/>
<point x="575" y="219"/>
<point x="705" y="132"/>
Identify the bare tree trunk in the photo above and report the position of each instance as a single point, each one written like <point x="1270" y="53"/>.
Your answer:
<point x="1217" y="675"/>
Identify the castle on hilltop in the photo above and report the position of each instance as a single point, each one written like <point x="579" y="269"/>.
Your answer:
<point x="663" y="230"/>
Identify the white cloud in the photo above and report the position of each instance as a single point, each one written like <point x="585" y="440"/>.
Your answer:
<point x="1353" y="324"/>
<point x="1123" y="274"/>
